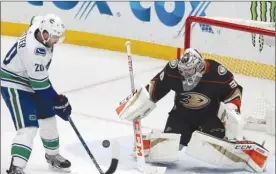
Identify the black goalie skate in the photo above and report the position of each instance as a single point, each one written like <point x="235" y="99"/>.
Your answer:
<point x="57" y="162"/>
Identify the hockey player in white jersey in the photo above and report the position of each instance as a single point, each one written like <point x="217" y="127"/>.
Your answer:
<point x="30" y="96"/>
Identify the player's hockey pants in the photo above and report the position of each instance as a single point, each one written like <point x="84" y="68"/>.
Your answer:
<point x="177" y="123"/>
<point x="21" y="106"/>
<point x="25" y="107"/>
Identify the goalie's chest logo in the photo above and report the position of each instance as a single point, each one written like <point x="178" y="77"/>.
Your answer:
<point x="193" y="100"/>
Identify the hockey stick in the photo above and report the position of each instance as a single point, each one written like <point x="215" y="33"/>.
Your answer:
<point x="115" y="152"/>
<point x="138" y="139"/>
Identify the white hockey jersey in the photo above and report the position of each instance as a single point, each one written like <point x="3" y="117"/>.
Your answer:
<point x="25" y="66"/>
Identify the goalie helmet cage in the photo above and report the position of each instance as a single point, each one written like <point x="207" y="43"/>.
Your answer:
<point x="246" y="48"/>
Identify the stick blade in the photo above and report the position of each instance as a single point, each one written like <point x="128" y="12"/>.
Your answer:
<point x="115" y="157"/>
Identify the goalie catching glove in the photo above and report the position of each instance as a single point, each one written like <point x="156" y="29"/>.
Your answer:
<point x="232" y="120"/>
<point x="136" y="105"/>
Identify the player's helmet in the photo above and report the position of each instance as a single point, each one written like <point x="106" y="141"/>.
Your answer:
<point x="54" y="26"/>
<point x="191" y="66"/>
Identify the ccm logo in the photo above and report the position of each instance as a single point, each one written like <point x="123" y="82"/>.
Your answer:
<point x="244" y="147"/>
<point x="138" y="136"/>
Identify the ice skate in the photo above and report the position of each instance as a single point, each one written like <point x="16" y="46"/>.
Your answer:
<point x="15" y="170"/>
<point x="59" y="163"/>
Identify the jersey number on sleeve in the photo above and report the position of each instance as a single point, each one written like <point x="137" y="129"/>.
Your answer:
<point x="233" y="84"/>
<point x="11" y="54"/>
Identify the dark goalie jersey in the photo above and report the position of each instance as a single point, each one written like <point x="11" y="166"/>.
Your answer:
<point x="217" y="85"/>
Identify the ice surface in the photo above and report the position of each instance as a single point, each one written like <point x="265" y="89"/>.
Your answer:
<point x="94" y="81"/>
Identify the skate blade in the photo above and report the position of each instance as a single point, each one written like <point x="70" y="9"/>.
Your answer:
<point x="57" y="169"/>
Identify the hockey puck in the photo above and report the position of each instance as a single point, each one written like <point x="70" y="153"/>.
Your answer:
<point x="106" y="143"/>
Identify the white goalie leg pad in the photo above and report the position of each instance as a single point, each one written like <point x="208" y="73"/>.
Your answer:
<point x="163" y="147"/>
<point x="249" y="156"/>
<point x="232" y="120"/>
<point x="137" y="105"/>
<point x="205" y="148"/>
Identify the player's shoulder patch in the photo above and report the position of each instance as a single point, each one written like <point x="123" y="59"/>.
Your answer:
<point x="162" y="74"/>
<point x="173" y="63"/>
<point x="222" y="70"/>
<point x="40" y="51"/>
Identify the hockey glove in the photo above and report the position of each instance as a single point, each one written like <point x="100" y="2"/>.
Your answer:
<point x="137" y="105"/>
<point x="62" y="107"/>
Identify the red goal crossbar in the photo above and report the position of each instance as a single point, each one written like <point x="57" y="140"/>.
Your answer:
<point x="224" y="24"/>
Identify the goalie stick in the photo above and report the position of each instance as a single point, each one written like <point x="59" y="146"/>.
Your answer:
<point x="142" y="166"/>
<point x="115" y="152"/>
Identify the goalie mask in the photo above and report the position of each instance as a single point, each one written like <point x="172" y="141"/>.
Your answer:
<point x="191" y="67"/>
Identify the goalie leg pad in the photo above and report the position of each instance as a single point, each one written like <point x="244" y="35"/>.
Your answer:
<point x="258" y="159"/>
<point x="203" y="147"/>
<point x="239" y="155"/>
<point x="162" y="147"/>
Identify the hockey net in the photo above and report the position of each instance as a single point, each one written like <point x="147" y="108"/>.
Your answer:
<point x="246" y="48"/>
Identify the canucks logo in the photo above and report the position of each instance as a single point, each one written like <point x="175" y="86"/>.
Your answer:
<point x="40" y="51"/>
<point x="262" y="11"/>
<point x="32" y="117"/>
